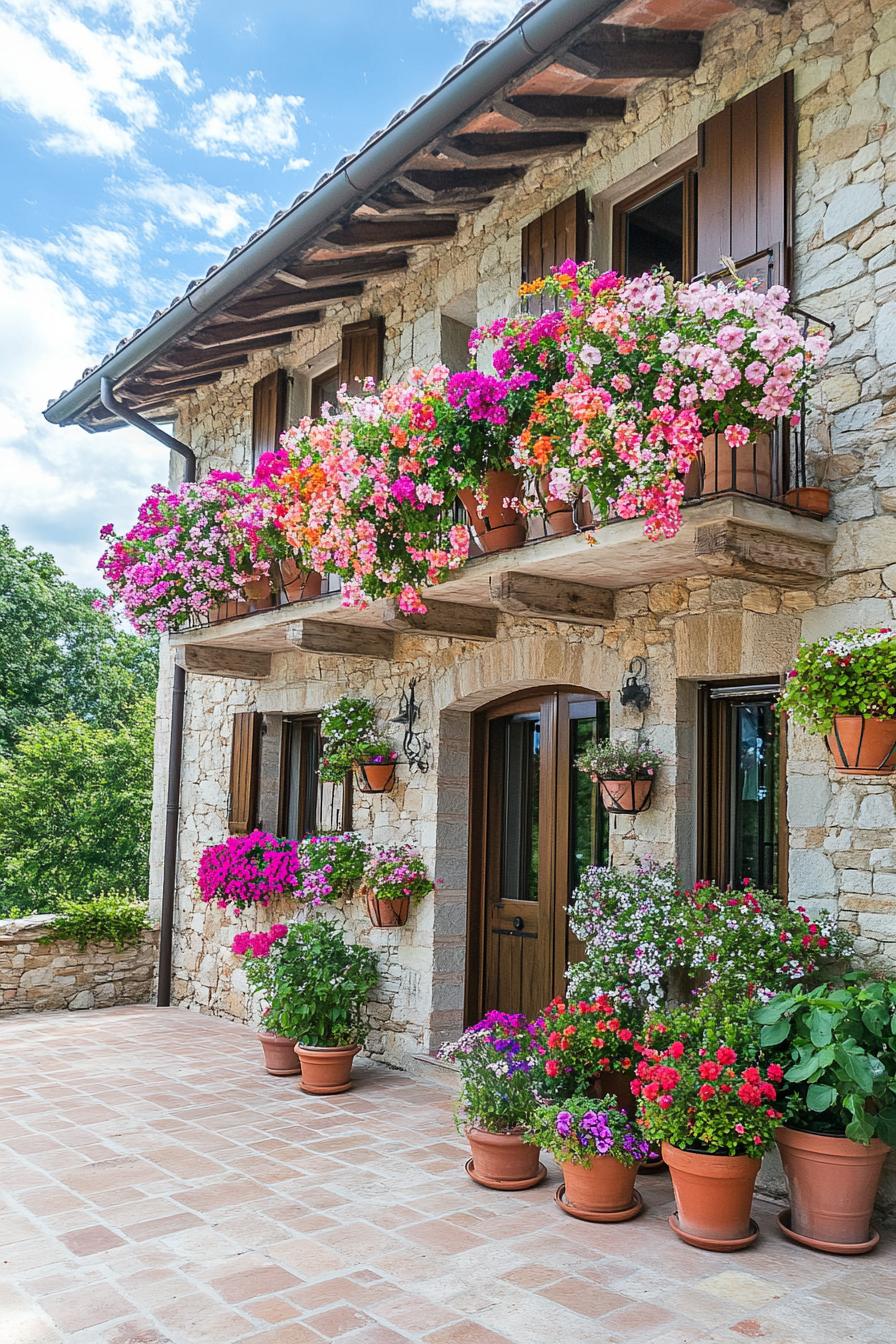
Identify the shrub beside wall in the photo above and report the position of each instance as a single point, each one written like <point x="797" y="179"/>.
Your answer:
<point x="36" y="976"/>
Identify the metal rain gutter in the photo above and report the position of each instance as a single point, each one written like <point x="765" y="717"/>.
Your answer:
<point x="537" y="33"/>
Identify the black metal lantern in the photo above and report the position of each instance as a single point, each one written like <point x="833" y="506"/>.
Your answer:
<point x="415" y="746"/>
<point x="635" y="692"/>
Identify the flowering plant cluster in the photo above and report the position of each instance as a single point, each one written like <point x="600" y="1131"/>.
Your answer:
<point x="266" y="959"/>
<point x="703" y="1083"/>
<point x="619" y="760"/>
<point x="329" y="866"/>
<point x="578" y="1040"/>
<point x="249" y="870"/>
<point x="850" y="673"/>
<point x="582" y="1129"/>
<point x="348" y="729"/>
<point x="397" y="873"/>
<point x="495" y="1059"/>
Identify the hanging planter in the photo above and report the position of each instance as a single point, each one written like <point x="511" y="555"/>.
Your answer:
<point x="496" y="526"/>
<point x="625" y="774"/>
<point x="394" y="880"/>
<point x="375" y="773"/>
<point x="628" y="796"/>
<point x="386" y="912"/>
<point x="862" y="746"/>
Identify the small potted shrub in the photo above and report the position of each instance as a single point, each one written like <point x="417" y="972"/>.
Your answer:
<point x="393" y="880"/>
<point x="330" y="866"/>
<point x="248" y="870"/>
<point x="844" y="686"/>
<point x="332" y="981"/>
<point x="706" y="1097"/>
<point x="586" y="1048"/>
<point x="375" y="765"/>
<point x="599" y="1149"/>
<point x="497" y="1101"/>
<point x="267" y="965"/>
<point x="624" y="771"/>
<point x="838" y="1050"/>
<point x="348" y="728"/>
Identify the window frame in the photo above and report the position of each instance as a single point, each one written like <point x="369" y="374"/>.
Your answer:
<point x="317" y="382"/>
<point x="686" y="173"/>
<point x="306" y="723"/>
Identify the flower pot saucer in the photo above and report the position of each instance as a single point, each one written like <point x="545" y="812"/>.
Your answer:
<point x="828" y="1247"/>
<point x="711" y="1243"/>
<point x="492" y="1184"/>
<point x="591" y="1215"/>
<point x="314" y="1091"/>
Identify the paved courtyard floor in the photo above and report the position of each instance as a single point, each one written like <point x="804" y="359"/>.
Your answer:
<point x="160" y="1188"/>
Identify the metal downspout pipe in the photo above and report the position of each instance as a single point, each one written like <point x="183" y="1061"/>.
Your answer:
<point x="178" y="700"/>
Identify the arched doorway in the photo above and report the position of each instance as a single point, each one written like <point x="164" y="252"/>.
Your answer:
<point x="536" y="823"/>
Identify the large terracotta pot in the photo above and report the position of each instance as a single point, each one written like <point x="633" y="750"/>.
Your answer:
<point x="298" y="584"/>
<point x="603" y="1187"/>
<point x="713" y="1198"/>
<point x="375" y="777"/>
<point x="258" y="590"/>
<point x="626" y="795"/>
<point x="616" y="1083"/>
<point x="565" y="517"/>
<point x="387" y="914"/>
<point x="833" y="1183"/>
<point x="500" y="529"/>
<point x="279" y="1054"/>
<point x="503" y="1161"/>
<point x="326" y="1068"/>
<point x="863" y="746"/>
<point x="747" y="469"/>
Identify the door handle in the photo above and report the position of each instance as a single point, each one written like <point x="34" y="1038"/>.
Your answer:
<point x="518" y="922"/>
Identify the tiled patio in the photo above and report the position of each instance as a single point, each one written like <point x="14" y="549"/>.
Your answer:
<point x="159" y="1186"/>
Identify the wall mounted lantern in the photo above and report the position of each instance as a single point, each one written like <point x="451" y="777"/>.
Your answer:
<point x="635" y="692"/>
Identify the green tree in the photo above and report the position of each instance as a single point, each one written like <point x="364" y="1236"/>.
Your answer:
<point x="58" y="654"/>
<point x="75" y="803"/>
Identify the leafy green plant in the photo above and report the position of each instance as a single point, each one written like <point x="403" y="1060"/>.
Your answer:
<point x="494" y="1059"/>
<point x="850" y="673"/>
<point x="348" y="728"/>
<point x="117" y="917"/>
<point x="841" y="1046"/>
<point x="619" y="760"/>
<point x="581" y="1129"/>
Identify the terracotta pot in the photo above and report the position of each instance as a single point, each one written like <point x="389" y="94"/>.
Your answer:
<point x="387" y="914"/>
<point x="625" y="795"/>
<point x="617" y="1084"/>
<point x="564" y="518"/>
<point x="279" y="1054"/>
<point x="297" y="584"/>
<point x="374" y="777"/>
<point x="258" y="590"/>
<point x="604" y="1186"/>
<point x="814" y="499"/>
<point x="833" y="1183"/>
<point x="500" y="529"/>
<point x="719" y="469"/>
<point x="227" y="611"/>
<point x="503" y="1161"/>
<point x="326" y="1068"/>
<point x="863" y="746"/>
<point x="713" y="1196"/>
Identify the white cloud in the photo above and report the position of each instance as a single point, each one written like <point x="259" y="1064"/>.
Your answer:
<point x="106" y="255"/>
<point x="198" y="205"/>
<point x="241" y="125"/>
<point x="296" y="165"/>
<point x="61" y="485"/>
<point x="85" y="82"/>
<point x="479" y="17"/>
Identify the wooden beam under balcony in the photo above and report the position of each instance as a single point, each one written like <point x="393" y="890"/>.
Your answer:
<point x="389" y="233"/>
<point x="346" y="641"/>
<point x="451" y="620"/>
<point x="500" y="148"/>
<point x="215" y="661"/>
<point x="522" y="594"/>
<point x="739" y="550"/>
<point x="612" y="51"/>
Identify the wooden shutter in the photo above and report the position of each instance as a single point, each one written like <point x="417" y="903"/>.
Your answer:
<point x="244" y="764"/>
<point x="553" y="238"/>
<point x="362" y="353"/>
<point x="745" y="185"/>
<point x="269" y="397"/>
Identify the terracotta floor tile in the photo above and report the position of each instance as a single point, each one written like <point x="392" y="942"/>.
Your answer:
<point x="254" y="1283"/>
<point x="465" y="1332"/>
<point x="90" y="1240"/>
<point x="337" y="1321"/>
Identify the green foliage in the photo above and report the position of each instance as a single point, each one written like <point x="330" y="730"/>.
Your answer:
<point x="315" y="984"/>
<point x="115" y="917"/>
<point x="346" y="727"/>
<point x="75" y="802"/>
<point x="58" y="655"/>
<point x="838" y="1049"/>
<point x="850" y="673"/>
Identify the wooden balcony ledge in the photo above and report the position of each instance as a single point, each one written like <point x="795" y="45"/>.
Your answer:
<point x="563" y="578"/>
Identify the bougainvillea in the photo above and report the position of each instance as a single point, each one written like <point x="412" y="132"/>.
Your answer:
<point x="249" y="870"/>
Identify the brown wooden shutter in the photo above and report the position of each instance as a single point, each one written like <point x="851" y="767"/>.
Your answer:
<point x="269" y="397"/>
<point x="244" y="763"/>
<point x="362" y="353"/>
<point x="745" y="185"/>
<point x="553" y="238"/>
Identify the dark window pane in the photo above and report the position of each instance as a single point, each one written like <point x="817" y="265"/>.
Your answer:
<point x="654" y="233"/>
<point x="754" y="800"/>
<point x="301" y="748"/>
<point x="516" y="747"/>
<point x="589" y="837"/>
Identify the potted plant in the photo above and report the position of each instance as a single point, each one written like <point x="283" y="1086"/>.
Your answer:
<point x="330" y="866"/>
<point x="332" y="980"/>
<point x="599" y="1149"/>
<point x="266" y="962"/>
<point x="348" y="728"/>
<point x="838" y="1050"/>
<point x="496" y="1100"/>
<point x="586" y="1048"/>
<point x="393" y="880"/>
<point x="624" y="771"/>
<point x="706" y="1097"/>
<point x="248" y="870"/>
<point x="375" y="765"/>
<point x="844" y="686"/>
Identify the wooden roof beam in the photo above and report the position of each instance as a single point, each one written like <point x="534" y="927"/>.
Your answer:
<point x="388" y="233"/>
<point x="500" y="148"/>
<point x="611" y="51"/>
<point x="282" y="302"/>
<point x="232" y="332"/>
<point x="457" y="185"/>
<point x="166" y="377"/>
<point x="187" y="383"/>
<point x="357" y="267"/>
<point x="561" y="111"/>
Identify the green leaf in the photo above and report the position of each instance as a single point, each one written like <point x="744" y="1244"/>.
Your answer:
<point x="775" y="1032"/>
<point x="820" y="1097"/>
<point x="806" y="1068"/>
<point x="858" y="1068"/>
<point x="821" y="1025"/>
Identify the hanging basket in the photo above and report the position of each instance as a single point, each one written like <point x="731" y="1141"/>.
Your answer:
<point x="862" y="746"/>
<point x="387" y="914"/>
<point x="375" y="776"/>
<point x="628" y="796"/>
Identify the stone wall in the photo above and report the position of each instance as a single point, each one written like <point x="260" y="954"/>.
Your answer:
<point x="36" y="976"/>
<point x="842" y="850"/>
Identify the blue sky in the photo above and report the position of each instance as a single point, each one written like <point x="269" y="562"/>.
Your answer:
<point x="142" y="139"/>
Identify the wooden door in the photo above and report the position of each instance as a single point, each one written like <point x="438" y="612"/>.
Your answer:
<point x="537" y="824"/>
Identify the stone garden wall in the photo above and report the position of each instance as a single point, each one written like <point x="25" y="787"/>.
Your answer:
<point x="37" y="976"/>
<point x="842" y="848"/>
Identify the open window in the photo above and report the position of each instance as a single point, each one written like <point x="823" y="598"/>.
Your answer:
<point x="323" y="391"/>
<point x="308" y="805"/>
<point x="655" y="226"/>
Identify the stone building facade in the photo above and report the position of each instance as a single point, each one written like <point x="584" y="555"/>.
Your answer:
<point x="691" y="629"/>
